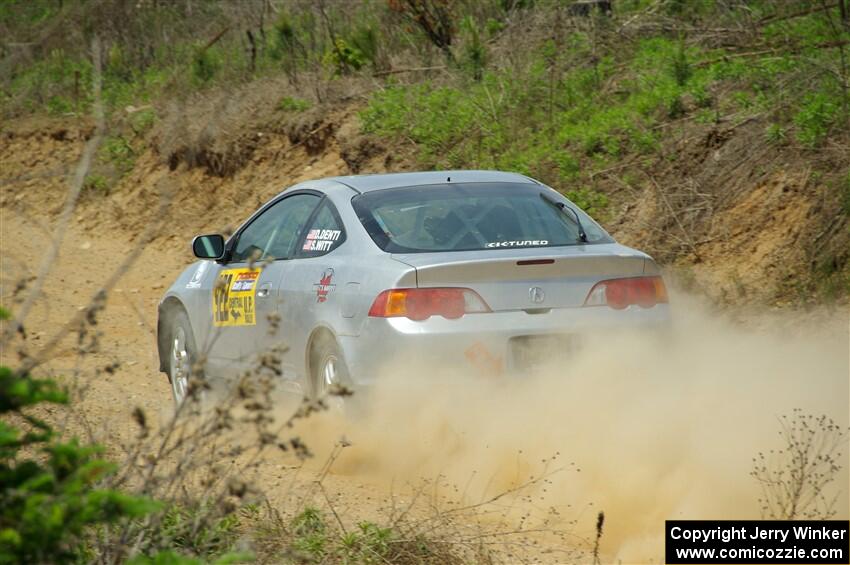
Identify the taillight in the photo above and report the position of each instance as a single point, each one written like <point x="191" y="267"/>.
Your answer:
<point x="422" y="303"/>
<point x="645" y="292"/>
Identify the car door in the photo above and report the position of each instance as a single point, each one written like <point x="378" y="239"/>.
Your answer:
<point x="311" y="285"/>
<point x="245" y="298"/>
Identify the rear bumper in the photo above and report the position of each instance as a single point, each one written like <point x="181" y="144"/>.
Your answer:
<point x="483" y="342"/>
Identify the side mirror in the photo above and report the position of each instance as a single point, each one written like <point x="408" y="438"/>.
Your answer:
<point x="208" y="246"/>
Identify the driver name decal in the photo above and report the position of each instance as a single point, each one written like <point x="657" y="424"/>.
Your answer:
<point x="233" y="297"/>
<point x="320" y="240"/>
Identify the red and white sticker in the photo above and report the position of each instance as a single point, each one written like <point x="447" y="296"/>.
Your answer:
<point x="320" y="239"/>
<point x="325" y="285"/>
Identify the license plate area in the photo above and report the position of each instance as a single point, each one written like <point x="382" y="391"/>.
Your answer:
<point x="530" y="352"/>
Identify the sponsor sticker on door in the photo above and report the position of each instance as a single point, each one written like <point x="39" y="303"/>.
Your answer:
<point x="325" y="285"/>
<point x="233" y="297"/>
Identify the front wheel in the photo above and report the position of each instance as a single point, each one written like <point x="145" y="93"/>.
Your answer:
<point x="181" y="355"/>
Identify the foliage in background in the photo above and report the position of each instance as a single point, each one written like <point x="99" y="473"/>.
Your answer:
<point x="586" y="100"/>
<point x="562" y="119"/>
<point x="293" y="104"/>
<point x="551" y="128"/>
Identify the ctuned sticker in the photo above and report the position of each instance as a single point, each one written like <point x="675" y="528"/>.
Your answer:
<point x="233" y="297"/>
<point x="519" y="243"/>
<point x="325" y="285"/>
<point x="320" y="239"/>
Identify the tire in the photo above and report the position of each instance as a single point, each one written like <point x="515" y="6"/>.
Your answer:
<point x="182" y="354"/>
<point x="327" y="368"/>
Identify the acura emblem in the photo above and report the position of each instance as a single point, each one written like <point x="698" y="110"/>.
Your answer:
<point x="536" y="294"/>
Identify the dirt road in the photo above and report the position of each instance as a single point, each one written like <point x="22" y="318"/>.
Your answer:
<point x="641" y="431"/>
<point x="642" y="434"/>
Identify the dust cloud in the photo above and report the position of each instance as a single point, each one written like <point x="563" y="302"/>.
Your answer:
<point x="645" y="430"/>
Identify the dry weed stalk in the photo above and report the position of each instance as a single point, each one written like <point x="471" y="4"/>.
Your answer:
<point x="199" y="463"/>
<point x="71" y="199"/>
<point x="429" y="527"/>
<point x="794" y="480"/>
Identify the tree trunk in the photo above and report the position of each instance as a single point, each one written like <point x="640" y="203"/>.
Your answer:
<point x="253" y="50"/>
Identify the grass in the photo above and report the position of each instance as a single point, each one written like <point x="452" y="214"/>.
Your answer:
<point x="311" y="537"/>
<point x="561" y="119"/>
<point x="544" y="118"/>
<point x="552" y="128"/>
<point x="293" y="104"/>
<point x="96" y="183"/>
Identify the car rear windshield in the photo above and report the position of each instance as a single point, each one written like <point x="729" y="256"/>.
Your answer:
<point x="470" y="216"/>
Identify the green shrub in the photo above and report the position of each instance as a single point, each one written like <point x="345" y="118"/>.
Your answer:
<point x="680" y="67"/>
<point x="593" y="202"/>
<point x="474" y="53"/>
<point x="285" y="36"/>
<point x="60" y="105"/>
<point x="676" y="108"/>
<point x="293" y="104"/>
<point x="365" y="39"/>
<point x="191" y="530"/>
<point x="815" y="118"/>
<point x="118" y="151"/>
<point x="117" y="64"/>
<point x="310" y="533"/>
<point x="743" y="99"/>
<point x="493" y="27"/>
<point x="344" y="57"/>
<point x="316" y="541"/>
<point x="775" y="133"/>
<point x="96" y="183"/>
<point x="205" y="65"/>
<point x="369" y="544"/>
<point x="285" y="29"/>
<point x="49" y="494"/>
<point x="58" y="83"/>
<point x="142" y="121"/>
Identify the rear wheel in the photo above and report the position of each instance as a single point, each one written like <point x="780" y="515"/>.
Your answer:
<point x="328" y="371"/>
<point x="181" y="355"/>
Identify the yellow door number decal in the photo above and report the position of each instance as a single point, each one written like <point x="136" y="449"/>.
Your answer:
<point x="233" y="297"/>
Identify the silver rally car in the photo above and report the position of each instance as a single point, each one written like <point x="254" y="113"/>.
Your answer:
<point x="477" y="269"/>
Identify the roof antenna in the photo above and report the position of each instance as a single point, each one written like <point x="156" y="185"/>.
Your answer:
<point x="449" y="179"/>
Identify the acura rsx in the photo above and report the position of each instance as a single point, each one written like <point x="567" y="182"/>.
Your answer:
<point x="477" y="269"/>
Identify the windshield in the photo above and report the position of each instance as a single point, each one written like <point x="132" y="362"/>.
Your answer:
<point x="468" y="217"/>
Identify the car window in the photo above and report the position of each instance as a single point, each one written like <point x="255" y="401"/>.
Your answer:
<point x="272" y="235"/>
<point x="325" y="234"/>
<point x="469" y="216"/>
